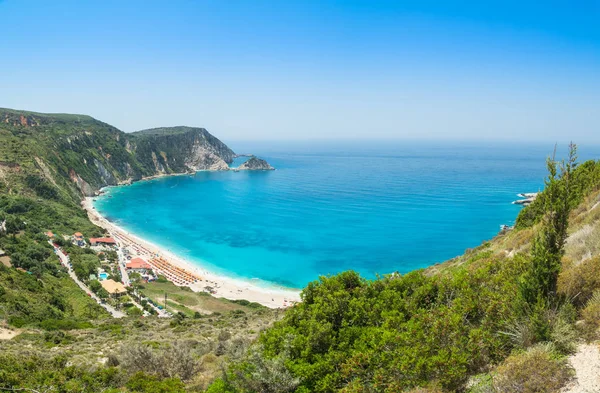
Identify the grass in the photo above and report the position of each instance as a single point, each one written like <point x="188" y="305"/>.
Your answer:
<point x="83" y="305"/>
<point x="184" y="300"/>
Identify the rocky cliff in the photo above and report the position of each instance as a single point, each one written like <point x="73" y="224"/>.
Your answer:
<point x="180" y="149"/>
<point x="79" y="154"/>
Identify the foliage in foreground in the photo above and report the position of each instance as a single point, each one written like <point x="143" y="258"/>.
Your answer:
<point x="58" y="375"/>
<point x="434" y="331"/>
<point x="414" y="332"/>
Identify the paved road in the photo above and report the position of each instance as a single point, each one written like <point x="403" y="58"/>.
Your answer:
<point x="122" y="261"/>
<point x="64" y="259"/>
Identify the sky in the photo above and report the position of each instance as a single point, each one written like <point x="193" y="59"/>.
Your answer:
<point x="305" y="70"/>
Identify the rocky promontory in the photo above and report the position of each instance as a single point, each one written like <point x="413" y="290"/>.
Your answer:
<point x="101" y="155"/>
<point x="255" y="164"/>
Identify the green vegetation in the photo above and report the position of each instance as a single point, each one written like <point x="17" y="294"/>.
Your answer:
<point x="40" y="374"/>
<point x="160" y="131"/>
<point x="43" y="300"/>
<point x="47" y="161"/>
<point x="585" y="180"/>
<point x="435" y="331"/>
<point x="183" y="299"/>
<point x="190" y="350"/>
<point x="500" y="318"/>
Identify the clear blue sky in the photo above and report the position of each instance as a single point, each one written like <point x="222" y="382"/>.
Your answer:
<point x="288" y="70"/>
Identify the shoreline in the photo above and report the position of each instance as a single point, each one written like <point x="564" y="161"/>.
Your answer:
<point x="226" y="287"/>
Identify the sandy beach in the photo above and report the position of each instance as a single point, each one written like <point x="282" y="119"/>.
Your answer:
<point x="226" y="287"/>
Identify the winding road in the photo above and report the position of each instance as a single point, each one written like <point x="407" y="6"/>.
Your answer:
<point x="64" y="260"/>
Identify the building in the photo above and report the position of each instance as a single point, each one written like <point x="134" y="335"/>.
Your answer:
<point x="78" y="239"/>
<point x="138" y="265"/>
<point x="49" y="234"/>
<point x="103" y="241"/>
<point x="114" y="289"/>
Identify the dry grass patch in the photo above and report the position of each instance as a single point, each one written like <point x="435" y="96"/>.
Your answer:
<point x="539" y="370"/>
<point x="579" y="281"/>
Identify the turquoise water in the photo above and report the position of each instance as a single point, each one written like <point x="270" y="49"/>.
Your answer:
<point x="238" y="161"/>
<point x="369" y="207"/>
<point x="103" y="276"/>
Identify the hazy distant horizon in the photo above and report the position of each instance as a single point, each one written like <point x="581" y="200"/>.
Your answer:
<point x="307" y="70"/>
<point x="326" y="139"/>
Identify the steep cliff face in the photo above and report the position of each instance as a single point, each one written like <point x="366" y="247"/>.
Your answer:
<point x="181" y="149"/>
<point x="80" y="154"/>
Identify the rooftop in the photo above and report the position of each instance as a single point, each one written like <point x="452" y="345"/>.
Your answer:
<point x="138" y="263"/>
<point x="113" y="287"/>
<point x="106" y="240"/>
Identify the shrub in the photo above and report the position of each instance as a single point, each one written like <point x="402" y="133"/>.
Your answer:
<point x="591" y="315"/>
<point x="64" y="324"/>
<point x="482" y="383"/>
<point x="133" y="311"/>
<point x="564" y="336"/>
<point x="177" y="361"/>
<point x="539" y="370"/>
<point x="144" y="383"/>
<point x="578" y="282"/>
<point x="264" y="374"/>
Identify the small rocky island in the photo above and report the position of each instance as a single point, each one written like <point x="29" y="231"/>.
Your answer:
<point x="255" y="164"/>
<point x="528" y="198"/>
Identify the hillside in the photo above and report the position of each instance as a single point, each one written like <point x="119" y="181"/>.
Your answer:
<point x="504" y="317"/>
<point x="79" y="155"/>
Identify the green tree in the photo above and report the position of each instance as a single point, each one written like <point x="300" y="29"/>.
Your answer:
<point x="538" y="286"/>
<point x="539" y="282"/>
<point x="13" y="224"/>
<point x="95" y="286"/>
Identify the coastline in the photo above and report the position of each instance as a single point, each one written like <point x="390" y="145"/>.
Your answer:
<point x="226" y="287"/>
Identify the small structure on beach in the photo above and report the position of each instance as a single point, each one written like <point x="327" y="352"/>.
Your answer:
<point x="138" y="265"/>
<point x="114" y="289"/>
<point x="103" y="241"/>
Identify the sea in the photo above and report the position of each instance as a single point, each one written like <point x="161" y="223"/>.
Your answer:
<point x="372" y="207"/>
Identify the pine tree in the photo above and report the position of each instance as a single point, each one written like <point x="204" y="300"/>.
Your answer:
<point x="538" y="284"/>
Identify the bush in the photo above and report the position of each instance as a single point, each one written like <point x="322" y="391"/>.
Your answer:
<point x="482" y="383"/>
<point x="64" y="324"/>
<point x="591" y="315"/>
<point x="143" y="383"/>
<point x="176" y="361"/>
<point x="579" y="281"/>
<point x="539" y="370"/>
<point x="133" y="311"/>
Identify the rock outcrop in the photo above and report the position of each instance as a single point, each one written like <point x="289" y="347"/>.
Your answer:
<point x="181" y="149"/>
<point x="255" y="164"/>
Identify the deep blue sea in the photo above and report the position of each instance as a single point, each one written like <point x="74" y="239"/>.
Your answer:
<point x="372" y="207"/>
